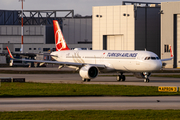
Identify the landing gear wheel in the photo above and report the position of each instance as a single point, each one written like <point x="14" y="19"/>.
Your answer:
<point x="86" y="80"/>
<point x="146" y="80"/>
<point x="118" y="78"/>
<point x="83" y="79"/>
<point x="123" y="78"/>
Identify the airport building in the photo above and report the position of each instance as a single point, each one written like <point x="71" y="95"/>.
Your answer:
<point x="139" y="26"/>
<point x="127" y="27"/>
<point x="38" y="30"/>
<point x="130" y="26"/>
<point x="170" y="31"/>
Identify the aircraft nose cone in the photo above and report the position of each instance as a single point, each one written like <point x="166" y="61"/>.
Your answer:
<point x="157" y="65"/>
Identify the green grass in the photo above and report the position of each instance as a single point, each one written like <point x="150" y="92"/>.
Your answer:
<point x="94" y="115"/>
<point x="52" y="90"/>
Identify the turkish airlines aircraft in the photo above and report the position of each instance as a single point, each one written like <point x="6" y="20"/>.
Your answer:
<point x="91" y="62"/>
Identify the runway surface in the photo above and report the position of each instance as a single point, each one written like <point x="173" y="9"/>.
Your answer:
<point x="89" y="103"/>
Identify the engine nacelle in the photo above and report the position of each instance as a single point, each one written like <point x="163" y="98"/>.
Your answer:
<point x="88" y="72"/>
<point x="142" y="75"/>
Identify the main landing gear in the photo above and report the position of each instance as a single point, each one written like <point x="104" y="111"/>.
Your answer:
<point x="121" y="77"/>
<point x="86" y="80"/>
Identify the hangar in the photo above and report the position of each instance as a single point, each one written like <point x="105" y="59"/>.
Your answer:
<point x="127" y="27"/>
<point x="130" y="26"/>
<point x="139" y="26"/>
<point x="38" y="30"/>
<point x="170" y="31"/>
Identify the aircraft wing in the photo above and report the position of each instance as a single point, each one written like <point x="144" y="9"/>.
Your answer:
<point x="56" y="62"/>
<point x="167" y="59"/>
<point x="62" y="63"/>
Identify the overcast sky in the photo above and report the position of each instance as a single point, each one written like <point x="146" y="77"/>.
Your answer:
<point x="83" y="7"/>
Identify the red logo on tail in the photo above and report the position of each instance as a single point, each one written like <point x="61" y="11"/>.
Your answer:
<point x="59" y="39"/>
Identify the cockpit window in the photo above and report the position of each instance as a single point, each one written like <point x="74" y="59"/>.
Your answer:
<point x="151" y="58"/>
<point x="157" y="58"/>
<point x="147" y="58"/>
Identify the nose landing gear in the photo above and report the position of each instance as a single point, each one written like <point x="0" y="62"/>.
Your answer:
<point x="146" y="80"/>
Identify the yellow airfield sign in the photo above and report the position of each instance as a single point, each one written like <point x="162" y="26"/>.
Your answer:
<point x="167" y="89"/>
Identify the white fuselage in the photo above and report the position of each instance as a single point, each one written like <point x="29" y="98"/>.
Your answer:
<point x="114" y="60"/>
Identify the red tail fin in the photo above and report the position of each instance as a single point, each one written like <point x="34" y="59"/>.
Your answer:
<point x="59" y="38"/>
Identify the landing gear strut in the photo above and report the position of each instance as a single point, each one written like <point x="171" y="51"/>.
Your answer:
<point x="86" y="80"/>
<point x="121" y="77"/>
<point x="146" y="77"/>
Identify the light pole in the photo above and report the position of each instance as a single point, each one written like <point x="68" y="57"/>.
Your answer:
<point x="22" y="27"/>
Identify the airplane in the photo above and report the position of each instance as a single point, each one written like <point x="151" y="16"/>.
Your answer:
<point x="91" y="62"/>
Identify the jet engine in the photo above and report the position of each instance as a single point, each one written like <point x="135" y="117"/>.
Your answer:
<point x="88" y="72"/>
<point x="142" y="75"/>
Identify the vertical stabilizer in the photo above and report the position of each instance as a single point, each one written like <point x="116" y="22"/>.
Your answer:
<point x="59" y="38"/>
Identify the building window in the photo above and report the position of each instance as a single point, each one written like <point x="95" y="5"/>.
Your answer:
<point x="4" y="48"/>
<point x="39" y="48"/>
<point x="34" y="48"/>
<point x="46" y="49"/>
<point x="17" y="49"/>
<point x="54" y="49"/>
<point x="29" y="48"/>
<point x="166" y="48"/>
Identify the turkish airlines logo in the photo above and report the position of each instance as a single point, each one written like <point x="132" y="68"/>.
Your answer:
<point x="60" y="43"/>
